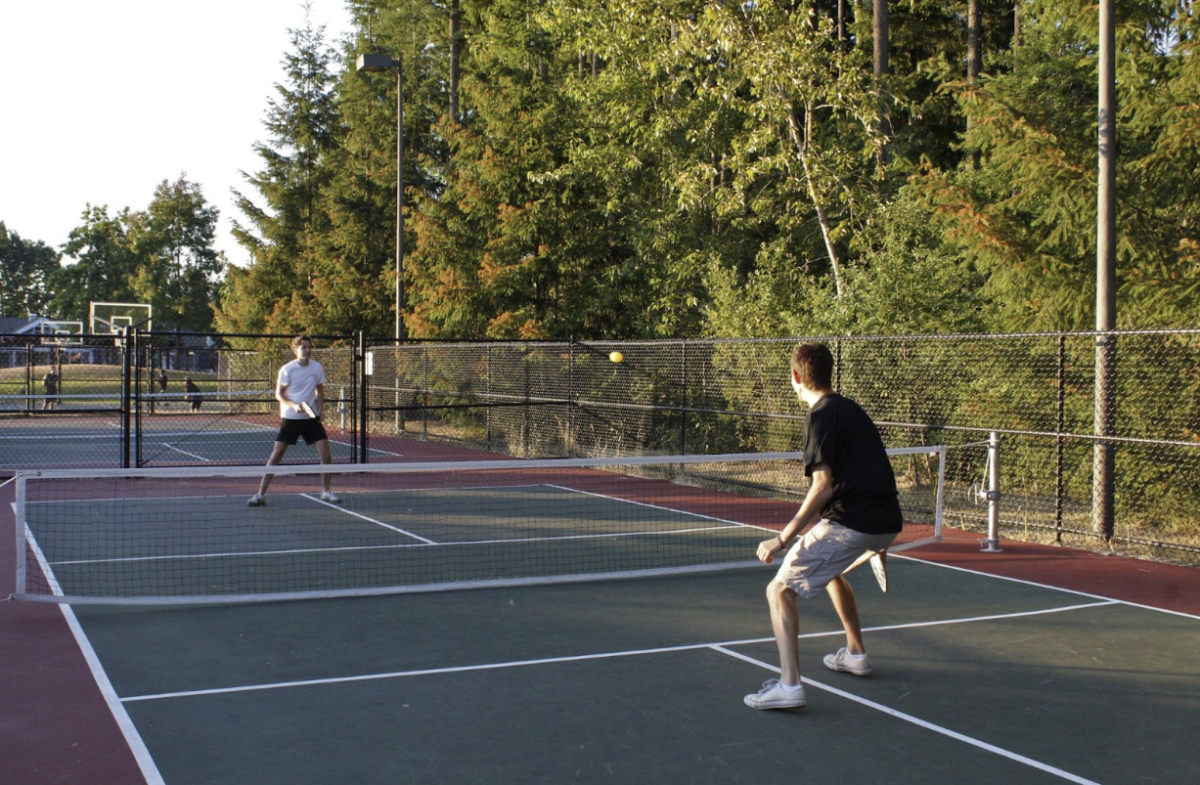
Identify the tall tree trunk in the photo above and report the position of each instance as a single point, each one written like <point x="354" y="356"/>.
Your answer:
<point x="800" y="142"/>
<point x="455" y="54"/>
<point x="973" y="54"/>
<point x="974" y="57"/>
<point x="881" y="69"/>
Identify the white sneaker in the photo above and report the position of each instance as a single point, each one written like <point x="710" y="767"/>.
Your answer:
<point x="842" y="661"/>
<point x="257" y="500"/>
<point x="331" y="497"/>
<point x="774" y="696"/>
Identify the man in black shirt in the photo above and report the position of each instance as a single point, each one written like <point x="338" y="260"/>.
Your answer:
<point x="853" y="498"/>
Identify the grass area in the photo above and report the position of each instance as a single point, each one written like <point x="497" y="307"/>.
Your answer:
<point x="94" y="379"/>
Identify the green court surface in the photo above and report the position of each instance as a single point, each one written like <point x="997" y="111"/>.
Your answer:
<point x="92" y="545"/>
<point x="977" y="679"/>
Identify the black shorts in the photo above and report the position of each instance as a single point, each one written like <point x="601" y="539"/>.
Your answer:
<point x="291" y="430"/>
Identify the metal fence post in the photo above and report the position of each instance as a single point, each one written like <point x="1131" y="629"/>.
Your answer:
<point x="360" y="379"/>
<point x="571" y="397"/>
<point x="1060" y="425"/>
<point x="126" y="396"/>
<point x="683" y="414"/>
<point x="1103" y="459"/>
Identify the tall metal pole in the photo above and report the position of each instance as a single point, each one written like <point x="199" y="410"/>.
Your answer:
<point x="399" y="64"/>
<point x="1106" y="281"/>
<point x="376" y="64"/>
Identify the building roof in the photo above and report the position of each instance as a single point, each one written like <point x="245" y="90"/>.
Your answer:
<point x="18" y="325"/>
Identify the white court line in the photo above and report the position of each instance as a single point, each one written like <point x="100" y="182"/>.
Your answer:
<point x="553" y="660"/>
<point x="424" y="542"/>
<point x="983" y="745"/>
<point x="736" y="524"/>
<point x="342" y="509"/>
<point x="395" y="546"/>
<point x="969" y="571"/>
<point x="184" y="452"/>
<point x="137" y="745"/>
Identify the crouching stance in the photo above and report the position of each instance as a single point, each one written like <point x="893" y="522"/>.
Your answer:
<point x="853" y="499"/>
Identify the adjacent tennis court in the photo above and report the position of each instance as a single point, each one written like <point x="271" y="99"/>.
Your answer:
<point x="1057" y="667"/>
<point x="174" y="438"/>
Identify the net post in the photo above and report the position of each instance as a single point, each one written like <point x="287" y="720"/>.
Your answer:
<point x="20" y="587"/>
<point x="940" y="498"/>
<point x="992" y="543"/>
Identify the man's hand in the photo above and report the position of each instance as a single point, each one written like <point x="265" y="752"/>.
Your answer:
<point x="768" y="549"/>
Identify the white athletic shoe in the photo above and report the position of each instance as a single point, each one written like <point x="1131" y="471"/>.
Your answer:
<point x="842" y="661"/>
<point x="257" y="500"/>
<point x="331" y="497"/>
<point x="774" y="696"/>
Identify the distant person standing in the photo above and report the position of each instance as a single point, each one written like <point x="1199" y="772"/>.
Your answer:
<point x="162" y="380"/>
<point x="50" y="385"/>
<point x="193" y="395"/>
<point x="300" y="390"/>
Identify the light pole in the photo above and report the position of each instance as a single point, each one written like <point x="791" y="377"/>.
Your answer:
<point x="371" y="64"/>
<point x="1103" y="459"/>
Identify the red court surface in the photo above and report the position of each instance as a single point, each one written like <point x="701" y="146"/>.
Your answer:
<point x="56" y="727"/>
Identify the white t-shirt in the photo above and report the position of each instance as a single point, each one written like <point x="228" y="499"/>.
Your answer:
<point x="301" y="381"/>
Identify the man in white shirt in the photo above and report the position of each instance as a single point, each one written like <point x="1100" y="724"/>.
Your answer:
<point x="300" y="390"/>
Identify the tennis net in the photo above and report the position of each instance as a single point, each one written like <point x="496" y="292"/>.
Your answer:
<point x="187" y="535"/>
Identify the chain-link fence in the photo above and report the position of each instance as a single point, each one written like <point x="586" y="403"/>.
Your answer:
<point x="1037" y="391"/>
<point x="156" y="399"/>
<point x="109" y="406"/>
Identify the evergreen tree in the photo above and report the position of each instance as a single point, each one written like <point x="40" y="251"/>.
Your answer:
<point x="1027" y="212"/>
<point x="356" y="269"/>
<point x="282" y="233"/>
<point x="517" y="243"/>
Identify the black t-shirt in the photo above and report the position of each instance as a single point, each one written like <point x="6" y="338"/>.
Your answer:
<point x="839" y="433"/>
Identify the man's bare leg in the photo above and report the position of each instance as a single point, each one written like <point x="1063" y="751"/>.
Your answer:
<point x="785" y="622"/>
<point x="842" y="596"/>
<point x="276" y="456"/>
<point x="326" y="456"/>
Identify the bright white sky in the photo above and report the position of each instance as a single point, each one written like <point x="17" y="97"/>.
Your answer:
<point x="105" y="100"/>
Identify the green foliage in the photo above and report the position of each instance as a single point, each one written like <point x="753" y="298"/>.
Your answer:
<point x="105" y="263"/>
<point x="163" y="256"/>
<point x="276" y="293"/>
<point x="1027" y="212"/>
<point x="680" y="167"/>
<point x="26" y="269"/>
<point x="178" y="267"/>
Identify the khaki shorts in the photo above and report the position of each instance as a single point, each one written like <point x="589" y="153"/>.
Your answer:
<point x="823" y="553"/>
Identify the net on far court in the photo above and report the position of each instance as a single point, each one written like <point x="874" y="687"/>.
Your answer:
<point x="187" y="535"/>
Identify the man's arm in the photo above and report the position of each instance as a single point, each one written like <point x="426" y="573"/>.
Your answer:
<point x="281" y="396"/>
<point x="819" y="494"/>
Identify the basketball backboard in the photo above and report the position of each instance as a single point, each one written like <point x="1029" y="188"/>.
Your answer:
<point x="115" y="318"/>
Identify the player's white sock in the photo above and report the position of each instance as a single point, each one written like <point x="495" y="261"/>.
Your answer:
<point x="791" y="687"/>
<point x="862" y="656"/>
